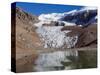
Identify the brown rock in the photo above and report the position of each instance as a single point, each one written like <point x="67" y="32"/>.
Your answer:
<point x="25" y="42"/>
<point x="86" y="36"/>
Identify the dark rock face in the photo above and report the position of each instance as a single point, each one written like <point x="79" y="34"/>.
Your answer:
<point x="54" y="23"/>
<point x="82" y="18"/>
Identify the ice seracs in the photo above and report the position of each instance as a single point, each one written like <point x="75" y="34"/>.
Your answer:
<point x="53" y="37"/>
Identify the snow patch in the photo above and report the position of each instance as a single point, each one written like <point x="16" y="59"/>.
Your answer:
<point x="88" y="8"/>
<point x="72" y="12"/>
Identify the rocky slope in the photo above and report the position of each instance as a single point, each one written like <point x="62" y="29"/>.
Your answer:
<point x="26" y="40"/>
<point x="86" y="36"/>
<point x="26" y="37"/>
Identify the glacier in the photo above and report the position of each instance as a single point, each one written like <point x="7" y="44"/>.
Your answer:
<point x="52" y="36"/>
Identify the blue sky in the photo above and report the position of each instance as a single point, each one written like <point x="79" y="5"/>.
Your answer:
<point x="40" y="8"/>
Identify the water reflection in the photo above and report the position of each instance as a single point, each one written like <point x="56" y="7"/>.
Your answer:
<point x="62" y="60"/>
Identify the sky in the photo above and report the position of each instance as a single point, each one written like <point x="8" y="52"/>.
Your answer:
<point x="40" y="8"/>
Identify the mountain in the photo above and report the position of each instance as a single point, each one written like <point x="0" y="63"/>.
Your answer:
<point x="74" y="29"/>
<point x="54" y="28"/>
<point x="83" y="17"/>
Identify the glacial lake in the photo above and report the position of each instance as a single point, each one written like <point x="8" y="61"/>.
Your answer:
<point x="62" y="60"/>
<point x="66" y="60"/>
